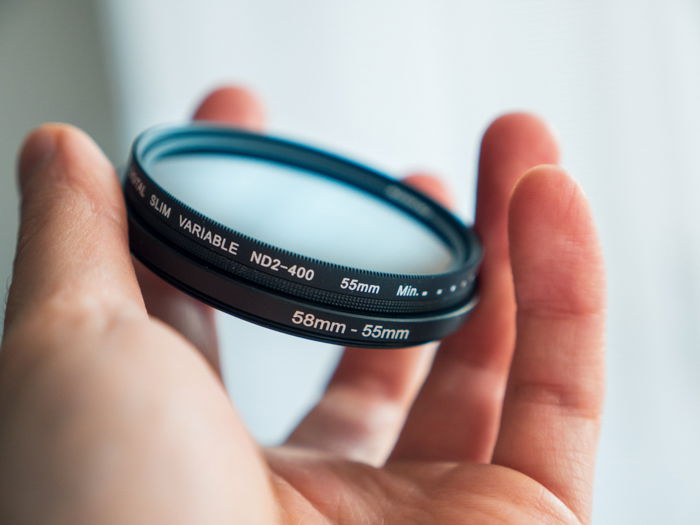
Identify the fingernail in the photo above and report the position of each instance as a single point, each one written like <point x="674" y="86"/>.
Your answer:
<point x="37" y="152"/>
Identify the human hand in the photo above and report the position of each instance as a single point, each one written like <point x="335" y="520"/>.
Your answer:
<point x="108" y="415"/>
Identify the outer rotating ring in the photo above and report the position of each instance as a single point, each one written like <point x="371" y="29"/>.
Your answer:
<point x="267" y="267"/>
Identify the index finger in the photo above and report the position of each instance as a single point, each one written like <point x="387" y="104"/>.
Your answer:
<point x="195" y="320"/>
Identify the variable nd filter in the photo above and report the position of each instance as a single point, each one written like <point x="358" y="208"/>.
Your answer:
<point x="297" y="239"/>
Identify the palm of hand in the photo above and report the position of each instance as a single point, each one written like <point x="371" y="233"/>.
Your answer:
<point x="315" y="488"/>
<point x="127" y="423"/>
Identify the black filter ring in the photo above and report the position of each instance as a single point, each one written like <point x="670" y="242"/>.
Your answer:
<point x="267" y="267"/>
<point x="283" y="313"/>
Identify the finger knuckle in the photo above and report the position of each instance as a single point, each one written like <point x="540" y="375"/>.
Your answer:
<point x="582" y="401"/>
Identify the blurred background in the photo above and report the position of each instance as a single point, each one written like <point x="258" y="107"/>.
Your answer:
<point x="411" y="84"/>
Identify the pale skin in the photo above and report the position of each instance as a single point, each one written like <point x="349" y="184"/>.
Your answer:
<point x="112" y="410"/>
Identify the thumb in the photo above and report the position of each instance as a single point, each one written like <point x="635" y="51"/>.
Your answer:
<point x="72" y="248"/>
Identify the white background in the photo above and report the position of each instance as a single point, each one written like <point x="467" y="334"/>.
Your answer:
<point x="410" y="84"/>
